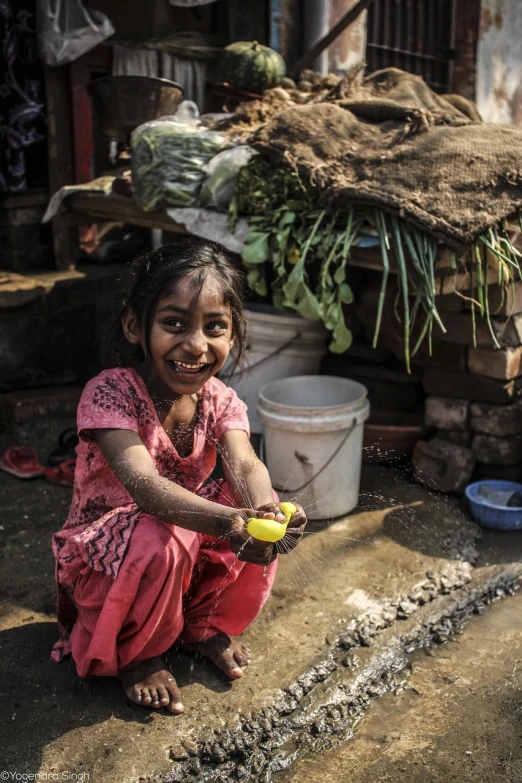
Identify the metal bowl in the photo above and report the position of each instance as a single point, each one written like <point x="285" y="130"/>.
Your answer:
<point x="121" y="103"/>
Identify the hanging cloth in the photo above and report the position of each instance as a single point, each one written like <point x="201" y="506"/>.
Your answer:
<point x="22" y="113"/>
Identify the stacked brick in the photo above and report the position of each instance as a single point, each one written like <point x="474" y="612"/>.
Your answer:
<point x="474" y="395"/>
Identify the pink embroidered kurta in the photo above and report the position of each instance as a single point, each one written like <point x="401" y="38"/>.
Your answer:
<point x="130" y="585"/>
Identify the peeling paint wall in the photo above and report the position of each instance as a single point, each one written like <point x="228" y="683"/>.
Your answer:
<point x="499" y="61"/>
<point x="349" y="48"/>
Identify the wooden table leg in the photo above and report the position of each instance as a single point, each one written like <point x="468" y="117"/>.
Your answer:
<point x="59" y="145"/>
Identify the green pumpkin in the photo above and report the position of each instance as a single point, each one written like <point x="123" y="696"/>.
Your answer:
<point x="246" y="65"/>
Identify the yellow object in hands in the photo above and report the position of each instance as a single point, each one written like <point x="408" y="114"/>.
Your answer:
<point x="270" y="529"/>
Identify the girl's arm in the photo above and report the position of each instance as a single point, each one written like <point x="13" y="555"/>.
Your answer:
<point x="131" y="462"/>
<point x="246" y="474"/>
<point x="250" y="483"/>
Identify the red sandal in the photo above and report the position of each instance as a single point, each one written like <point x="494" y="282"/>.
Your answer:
<point x="61" y="474"/>
<point x="22" y="462"/>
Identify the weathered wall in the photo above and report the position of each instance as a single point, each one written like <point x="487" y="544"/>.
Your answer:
<point x="499" y="61"/>
<point x="348" y="49"/>
<point x="467" y="21"/>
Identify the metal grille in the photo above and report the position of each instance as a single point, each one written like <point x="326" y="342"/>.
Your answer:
<point x="414" y="35"/>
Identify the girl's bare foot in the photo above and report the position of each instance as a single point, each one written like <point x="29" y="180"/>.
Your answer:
<point x="150" y="684"/>
<point x="227" y="654"/>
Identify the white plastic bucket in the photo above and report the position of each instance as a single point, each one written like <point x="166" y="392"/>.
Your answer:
<point x="279" y="346"/>
<point x="313" y="427"/>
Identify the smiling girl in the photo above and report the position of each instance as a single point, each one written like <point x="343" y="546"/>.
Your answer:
<point x="150" y="554"/>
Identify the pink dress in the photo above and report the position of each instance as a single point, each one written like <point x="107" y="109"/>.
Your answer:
<point x="130" y="585"/>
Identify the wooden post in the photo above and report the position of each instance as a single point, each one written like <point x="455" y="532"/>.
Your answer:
<point x="59" y="145"/>
<point x="319" y="47"/>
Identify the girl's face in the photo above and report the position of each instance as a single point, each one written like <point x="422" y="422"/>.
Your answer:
<point x="190" y="338"/>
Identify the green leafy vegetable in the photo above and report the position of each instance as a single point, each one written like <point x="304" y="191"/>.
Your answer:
<point x="296" y="252"/>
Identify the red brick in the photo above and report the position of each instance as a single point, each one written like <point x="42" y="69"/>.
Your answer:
<point x="497" y="451"/>
<point x="443" y="466"/>
<point x="463" y="438"/>
<point x="446" y="413"/>
<point x="446" y="383"/>
<point x="496" y="419"/>
<point x="37" y="417"/>
<point x="448" y="356"/>
<point x="390" y="396"/>
<point x="20" y="406"/>
<point x="459" y="329"/>
<point x="502" y="301"/>
<point x="449" y="303"/>
<point x="504" y="365"/>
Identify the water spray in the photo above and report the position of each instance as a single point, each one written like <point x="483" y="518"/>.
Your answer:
<point x="270" y="529"/>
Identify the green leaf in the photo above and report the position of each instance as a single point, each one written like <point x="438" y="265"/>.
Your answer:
<point x="253" y="276"/>
<point x="333" y="316"/>
<point x="327" y="296"/>
<point x="341" y="338"/>
<point x="294" y="285"/>
<point x="340" y="275"/>
<point x="345" y="293"/>
<point x="308" y="306"/>
<point x="287" y="219"/>
<point x="261" y="287"/>
<point x="282" y="238"/>
<point x="278" y="300"/>
<point x="233" y="215"/>
<point x="295" y="205"/>
<point x="256" y="249"/>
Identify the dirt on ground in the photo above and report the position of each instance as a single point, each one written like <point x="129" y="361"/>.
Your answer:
<point x="402" y="551"/>
<point x="456" y="717"/>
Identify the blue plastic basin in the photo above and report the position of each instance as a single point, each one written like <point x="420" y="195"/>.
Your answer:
<point x="489" y="515"/>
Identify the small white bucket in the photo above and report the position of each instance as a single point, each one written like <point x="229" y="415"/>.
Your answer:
<point x="313" y="429"/>
<point x="279" y="345"/>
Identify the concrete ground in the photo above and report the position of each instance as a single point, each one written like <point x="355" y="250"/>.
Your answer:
<point x="346" y="611"/>
<point x="457" y="716"/>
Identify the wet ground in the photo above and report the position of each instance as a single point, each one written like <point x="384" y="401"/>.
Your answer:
<point x="379" y="581"/>
<point x="457" y="716"/>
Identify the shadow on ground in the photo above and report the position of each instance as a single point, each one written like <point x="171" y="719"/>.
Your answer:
<point x="41" y="702"/>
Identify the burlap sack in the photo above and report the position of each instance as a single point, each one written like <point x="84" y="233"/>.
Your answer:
<point x="394" y="144"/>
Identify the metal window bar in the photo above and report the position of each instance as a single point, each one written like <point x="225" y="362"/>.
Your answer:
<point x="415" y="36"/>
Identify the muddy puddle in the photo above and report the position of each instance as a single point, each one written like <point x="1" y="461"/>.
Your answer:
<point x="456" y="717"/>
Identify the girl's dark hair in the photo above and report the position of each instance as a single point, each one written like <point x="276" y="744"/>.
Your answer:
<point x="153" y="275"/>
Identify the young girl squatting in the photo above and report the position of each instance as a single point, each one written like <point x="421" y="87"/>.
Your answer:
<point x="150" y="555"/>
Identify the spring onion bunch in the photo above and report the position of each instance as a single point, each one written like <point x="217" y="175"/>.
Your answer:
<point x="308" y="248"/>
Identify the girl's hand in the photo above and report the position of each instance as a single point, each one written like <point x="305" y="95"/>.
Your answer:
<point x="244" y="546"/>
<point x="295" y="529"/>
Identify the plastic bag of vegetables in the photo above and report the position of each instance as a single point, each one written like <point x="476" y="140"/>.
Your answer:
<point x="218" y="189"/>
<point x="169" y="159"/>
